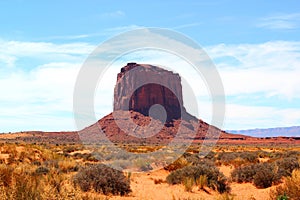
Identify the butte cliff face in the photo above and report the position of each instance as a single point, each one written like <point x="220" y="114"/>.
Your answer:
<point x="141" y="86"/>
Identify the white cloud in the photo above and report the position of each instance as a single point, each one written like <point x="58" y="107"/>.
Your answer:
<point x="271" y="68"/>
<point x="280" y="21"/>
<point x="38" y="93"/>
<point x="7" y="60"/>
<point x="249" y="117"/>
<point x="38" y="96"/>
<point x="11" y="51"/>
<point x="20" y="48"/>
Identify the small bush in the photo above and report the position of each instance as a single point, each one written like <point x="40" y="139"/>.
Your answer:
<point x="287" y="165"/>
<point x="6" y="173"/>
<point x="102" y="179"/>
<point x="215" y="179"/>
<point x="263" y="175"/>
<point x="237" y="158"/>
<point x="158" y="181"/>
<point x="264" y="178"/>
<point x="290" y="189"/>
<point x="143" y="164"/>
<point x="67" y="166"/>
<point x="177" y="164"/>
<point x="243" y="174"/>
<point x="42" y="170"/>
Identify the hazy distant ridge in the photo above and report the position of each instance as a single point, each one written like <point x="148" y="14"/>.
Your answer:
<point x="293" y="131"/>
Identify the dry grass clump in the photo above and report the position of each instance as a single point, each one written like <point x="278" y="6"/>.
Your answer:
<point x="190" y="175"/>
<point x="177" y="164"/>
<point x="290" y="189"/>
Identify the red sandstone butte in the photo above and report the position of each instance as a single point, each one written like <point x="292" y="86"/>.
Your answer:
<point x="139" y="86"/>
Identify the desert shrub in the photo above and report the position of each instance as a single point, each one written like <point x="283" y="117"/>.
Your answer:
<point x="215" y="179"/>
<point x="5" y="175"/>
<point x="143" y="164"/>
<point x="237" y="158"/>
<point x="37" y="163"/>
<point x="177" y="164"/>
<point x="211" y="155"/>
<point x="26" y="187"/>
<point x="158" y="181"/>
<point x="262" y="174"/>
<point x="265" y="177"/>
<point x="70" y="149"/>
<point x="19" y="184"/>
<point x="262" y="154"/>
<point x="194" y="159"/>
<point x="290" y="189"/>
<point x="250" y="157"/>
<point x="119" y="156"/>
<point x="102" y="179"/>
<point x="51" y="163"/>
<point x="287" y="165"/>
<point x="42" y="170"/>
<point x="68" y="166"/>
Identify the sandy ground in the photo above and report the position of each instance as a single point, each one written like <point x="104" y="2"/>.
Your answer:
<point x="249" y="191"/>
<point x="143" y="187"/>
<point x="226" y="170"/>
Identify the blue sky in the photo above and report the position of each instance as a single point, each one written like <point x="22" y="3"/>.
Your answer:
<point x="254" y="44"/>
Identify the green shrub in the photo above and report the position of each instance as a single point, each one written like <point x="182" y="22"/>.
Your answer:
<point x="102" y="179"/>
<point x="215" y="179"/>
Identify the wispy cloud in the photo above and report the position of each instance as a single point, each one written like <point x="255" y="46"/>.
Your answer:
<point x="280" y="21"/>
<point x="113" y="14"/>
<point x="187" y="25"/>
<point x="12" y="51"/>
<point x="270" y="68"/>
<point x="104" y="33"/>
